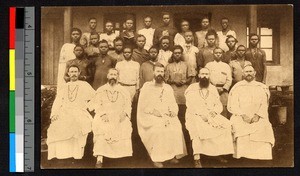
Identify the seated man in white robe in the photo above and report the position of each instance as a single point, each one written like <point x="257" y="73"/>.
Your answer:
<point x="111" y="125"/>
<point x="157" y="121"/>
<point x="210" y="132"/>
<point x="248" y="103"/>
<point x="70" y="120"/>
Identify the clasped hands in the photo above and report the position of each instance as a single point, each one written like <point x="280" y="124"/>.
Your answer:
<point x="247" y="119"/>
<point x="156" y="113"/>
<point x="122" y="116"/>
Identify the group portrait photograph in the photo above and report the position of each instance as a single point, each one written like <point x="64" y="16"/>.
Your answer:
<point x="170" y="86"/>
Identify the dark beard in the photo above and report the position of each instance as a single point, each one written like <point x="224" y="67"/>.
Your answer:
<point x="204" y="82"/>
<point x="159" y="79"/>
<point x="249" y="78"/>
<point x="112" y="81"/>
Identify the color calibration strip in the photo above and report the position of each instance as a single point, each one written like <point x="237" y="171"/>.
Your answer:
<point x="16" y="95"/>
<point x="12" y="88"/>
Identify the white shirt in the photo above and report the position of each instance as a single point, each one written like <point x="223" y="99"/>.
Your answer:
<point x="129" y="72"/>
<point x="189" y="54"/>
<point x="220" y="73"/>
<point x="179" y="40"/>
<point x="148" y="33"/>
<point x="164" y="56"/>
<point x="109" y="38"/>
<point x="222" y="39"/>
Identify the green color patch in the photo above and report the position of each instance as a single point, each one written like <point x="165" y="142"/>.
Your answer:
<point x="12" y="112"/>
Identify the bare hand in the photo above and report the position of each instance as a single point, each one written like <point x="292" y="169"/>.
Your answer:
<point x="212" y="114"/>
<point x="54" y="118"/>
<point x="246" y="118"/>
<point x="255" y="118"/>
<point x="105" y="118"/>
<point x="123" y="115"/>
<point x="156" y="113"/>
<point x="220" y="89"/>
<point x="204" y="118"/>
<point x="173" y="114"/>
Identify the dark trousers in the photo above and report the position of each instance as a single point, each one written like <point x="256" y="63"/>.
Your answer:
<point x="181" y="116"/>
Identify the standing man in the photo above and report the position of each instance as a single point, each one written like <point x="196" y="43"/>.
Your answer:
<point x="257" y="57"/>
<point x="210" y="132"/>
<point x="66" y="54"/>
<point x="248" y="102"/>
<point x="206" y="54"/>
<point x="165" y="30"/>
<point x="148" y="32"/>
<point x="147" y="68"/>
<point x="140" y="55"/>
<point x="70" y="120"/>
<point x="117" y="54"/>
<point x="83" y="63"/>
<point x="111" y="125"/>
<point x="157" y="121"/>
<point x="231" y="53"/>
<point x="92" y="28"/>
<point x="92" y="50"/>
<point x="190" y="53"/>
<point x="179" y="76"/>
<point x="237" y="66"/>
<point x="201" y="35"/>
<point x="129" y="71"/>
<point x="220" y="76"/>
<point x="129" y="36"/>
<point x="165" y="52"/>
<point x="101" y="65"/>
<point x="222" y="35"/>
<point x="109" y="34"/>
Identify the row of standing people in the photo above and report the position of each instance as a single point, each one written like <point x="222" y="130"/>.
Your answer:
<point x="135" y="65"/>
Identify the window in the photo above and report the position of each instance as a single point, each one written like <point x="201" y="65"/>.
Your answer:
<point x="266" y="41"/>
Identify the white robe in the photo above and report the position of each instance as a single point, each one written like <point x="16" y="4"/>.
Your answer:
<point x="207" y="139"/>
<point x="254" y="140"/>
<point x="111" y="102"/>
<point x="67" y="135"/>
<point x="162" y="136"/>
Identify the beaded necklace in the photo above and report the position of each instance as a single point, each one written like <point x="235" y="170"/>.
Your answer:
<point x="112" y="95"/>
<point x="71" y="93"/>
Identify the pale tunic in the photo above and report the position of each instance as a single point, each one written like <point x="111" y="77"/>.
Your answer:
<point x="254" y="140"/>
<point x="190" y="53"/>
<point x="148" y="33"/>
<point x="164" y="56"/>
<point x="67" y="135"/>
<point x="179" y="40"/>
<point x="162" y="136"/>
<point x="207" y="139"/>
<point x="109" y="38"/>
<point x="220" y="74"/>
<point x="129" y="73"/>
<point x="112" y="139"/>
<point x="222" y="39"/>
<point x="66" y="54"/>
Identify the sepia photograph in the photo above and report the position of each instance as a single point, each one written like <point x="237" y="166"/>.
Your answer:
<point x="172" y="86"/>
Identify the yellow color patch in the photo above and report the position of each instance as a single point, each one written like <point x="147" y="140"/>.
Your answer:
<point x="12" y="70"/>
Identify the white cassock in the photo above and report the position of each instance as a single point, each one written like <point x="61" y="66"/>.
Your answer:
<point x="162" y="136"/>
<point x="66" y="136"/>
<point x="66" y="54"/>
<point x="112" y="139"/>
<point x="254" y="140"/>
<point x="213" y="137"/>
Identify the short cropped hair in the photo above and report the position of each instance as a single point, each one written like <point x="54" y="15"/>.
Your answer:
<point x="75" y="66"/>
<point x="76" y="29"/>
